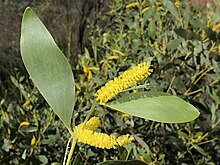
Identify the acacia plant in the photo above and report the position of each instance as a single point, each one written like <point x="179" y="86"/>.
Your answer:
<point x="52" y="74"/>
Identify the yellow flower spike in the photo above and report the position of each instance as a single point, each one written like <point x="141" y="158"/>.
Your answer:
<point x="216" y="27"/>
<point x="85" y="134"/>
<point x="33" y="141"/>
<point x="92" y="124"/>
<point x="9" y="131"/>
<point x="88" y="70"/>
<point x="5" y="115"/>
<point x="119" y="52"/>
<point x="95" y="139"/>
<point x="24" y="123"/>
<point x="129" y="77"/>
<point x="77" y="86"/>
<point x="144" y="10"/>
<point x="159" y="8"/>
<point x="132" y="5"/>
<point x="209" y="22"/>
<point x="124" y="140"/>
<point x="84" y="66"/>
<point x="219" y="49"/>
<point x="124" y="115"/>
<point x="177" y="4"/>
<point x="93" y="68"/>
<point x="89" y="75"/>
<point x="26" y="104"/>
<point x="113" y="57"/>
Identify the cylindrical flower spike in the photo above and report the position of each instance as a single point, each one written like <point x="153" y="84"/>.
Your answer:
<point x="129" y="77"/>
<point x="87" y="135"/>
<point x="95" y="139"/>
<point x="92" y="124"/>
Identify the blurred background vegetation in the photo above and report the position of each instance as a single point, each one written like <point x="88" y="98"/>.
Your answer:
<point x="101" y="39"/>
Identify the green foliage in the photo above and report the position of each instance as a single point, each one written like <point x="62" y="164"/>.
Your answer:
<point x="56" y="84"/>
<point x="40" y="122"/>
<point x="185" y="68"/>
<point x="131" y="162"/>
<point x="47" y="66"/>
<point x="156" y="106"/>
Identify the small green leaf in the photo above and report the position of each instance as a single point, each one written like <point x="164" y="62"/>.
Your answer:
<point x="171" y="8"/>
<point x="152" y="29"/>
<point x="187" y="34"/>
<point x="47" y="66"/>
<point x="199" y="149"/>
<point x="43" y="159"/>
<point x="118" y="162"/>
<point x="29" y="129"/>
<point x="56" y="163"/>
<point x="183" y="134"/>
<point x="50" y="139"/>
<point x="156" y="106"/>
<point x="210" y="34"/>
<point x="77" y="160"/>
<point x="197" y="24"/>
<point x="173" y="44"/>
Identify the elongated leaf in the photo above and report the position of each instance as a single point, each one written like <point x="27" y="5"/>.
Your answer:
<point x="199" y="149"/>
<point x="171" y="8"/>
<point x="118" y="162"/>
<point x="156" y="106"/>
<point x="47" y="66"/>
<point x="197" y="24"/>
<point x="77" y="160"/>
<point x="152" y="29"/>
<point x="187" y="34"/>
<point x="173" y="44"/>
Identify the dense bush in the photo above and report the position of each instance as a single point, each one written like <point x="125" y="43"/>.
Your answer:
<point x="183" y="44"/>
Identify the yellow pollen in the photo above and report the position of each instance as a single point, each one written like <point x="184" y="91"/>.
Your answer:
<point x="129" y="77"/>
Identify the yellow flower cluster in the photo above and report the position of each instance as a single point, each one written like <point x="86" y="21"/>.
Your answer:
<point x="85" y="134"/>
<point x="88" y="69"/>
<point x="26" y="104"/>
<point x="145" y="10"/>
<point x="129" y="77"/>
<point x="24" y="123"/>
<point x="118" y="52"/>
<point x="33" y="141"/>
<point x="216" y="27"/>
<point x="177" y="4"/>
<point x="132" y="5"/>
